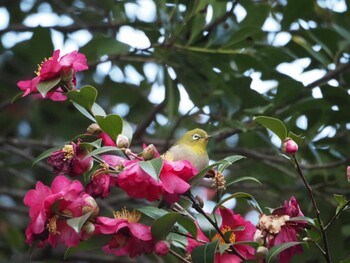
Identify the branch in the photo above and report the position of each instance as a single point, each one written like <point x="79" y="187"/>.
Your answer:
<point x="330" y="75"/>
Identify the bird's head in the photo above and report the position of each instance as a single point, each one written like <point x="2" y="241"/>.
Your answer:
<point x="197" y="139"/>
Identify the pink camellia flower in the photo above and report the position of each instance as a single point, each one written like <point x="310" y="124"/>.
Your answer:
<point x="129" y="237"/>
<point x="63" y="70"/>
<point x="289" y="146"/>
<point x="174" y="177"/>
<point x="71" y="160"/>
<point x="50" y="208"/>
<point x="278" y="228"/>
<point x="230" y="222"/>
<point x="102" y="181"/>
<point x="137" y="183"/>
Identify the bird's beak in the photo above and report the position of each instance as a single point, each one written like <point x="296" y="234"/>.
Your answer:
<point x="208" y="137"/>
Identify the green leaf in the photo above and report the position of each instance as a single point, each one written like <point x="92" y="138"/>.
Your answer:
<point x="111" y="124"/>
<point x="83" y="111"/>
<point x="46" y="85"/>
<point x="105" y="149"/>
<point x="96" y="109"/>
<point x="241" y="179"/>
<point x="77" y="222"/>
<point x="206" y="227"/>
<point x="163" y="225"/>
<point x="274" y="125"/>
<point x="189" y="225"/>
<point x="127" y="130"/>
<point x="90" y="145"/>
<point x="17" y="97"/>
<point x="276" y="250"/>
<point x="96" y="242"/>
<point x="299" y="139"/>
<point x="226" y="162"/>
<point x="45" y="154"/>
<point x="341" y="202"/>
<point x="247" y="196"/>
<point x="205" y="253"/>
<point x="152" y="212"/>
<point x="152" y="167"/>
<point x="85" y="96"/>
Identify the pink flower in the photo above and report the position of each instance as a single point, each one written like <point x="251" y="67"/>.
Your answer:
<point x="64" y="68"/>
<point x="71" y="160"/>
<point x="129" y="237"/>
<point x="174" y="177"/>
<point x="137" y="183"/>
<point x="279" y="229"/>
<point x="230" y="222"/>
<point x="49" y="209"/>
<point x="101" y="181"/>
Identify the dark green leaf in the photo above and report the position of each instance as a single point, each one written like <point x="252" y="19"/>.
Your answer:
<point x="46" y="85"/>
<point x="299" y="139"/>
<point x="247" y="196"/>
<point x="163" y="225"/>
<point x="83" y="111"/>
<point x="276" y="250"/>
<point x="241" y="179"/>
<point x="206" y="227"/>
<point x="105" y="149"/>
<point x="152" y="167"/>
<point x="189" y="225"/>
<point x="111" y="124"/>
<point x="127" y="130"/>
<point x="274" y="125"/>
<point x="226" y="162"/>
<point x="152" y="212"/>
<point x="205" y="253"/>
<point x="77" y="222"/>
<point x="85" y="97"/>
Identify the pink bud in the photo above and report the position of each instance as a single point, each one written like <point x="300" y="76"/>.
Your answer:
<point x="348" y="173"/>
<point x="161" y="248"/>
<point x="90" y="205"/>
<point x="289" y="146"/>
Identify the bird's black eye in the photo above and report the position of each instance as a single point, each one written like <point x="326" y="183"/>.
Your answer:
<point x="196" y="137"/>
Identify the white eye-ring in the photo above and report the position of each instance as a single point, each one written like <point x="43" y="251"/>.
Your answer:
<point x="196" y="136"/>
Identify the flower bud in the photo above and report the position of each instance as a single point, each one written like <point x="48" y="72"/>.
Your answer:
<point x="122" y="141"/>
<point x="149" y="152"/>
<point x="261" y="252"/>
<point x="87" y="231"/>
<point x="161" y="248"/>
<point x="258" y="237"/>
<point x="289" y="146"/>
<point x="348" y="173"/>
<point x="67" y="75"/>
<point x="94" y="129"/>
<point x="90" y="205"/>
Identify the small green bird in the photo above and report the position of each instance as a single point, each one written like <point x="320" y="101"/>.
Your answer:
<point x="192" y="146"/>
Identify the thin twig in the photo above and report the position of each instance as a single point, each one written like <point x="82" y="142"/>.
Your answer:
<point x="317" y="211"/>
<point x="178" y="256"/>
<point x="336" y="216"/>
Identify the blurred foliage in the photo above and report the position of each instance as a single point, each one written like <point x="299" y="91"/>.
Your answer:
<point x="146" y="56"/>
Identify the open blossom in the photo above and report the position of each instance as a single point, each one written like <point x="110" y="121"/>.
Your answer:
<point x="129" y="237"/>
<point x="49" y="209"/>
<point x="230" y="222"/>
<point x="63" y="69"/>
<point x="278" y="228"/>
<point x="102" y="181"/>
<point x="71" y="160"/>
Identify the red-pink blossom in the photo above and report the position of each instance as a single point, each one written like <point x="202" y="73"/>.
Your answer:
<point x="64" y="68"/>
<point x="174" y="177"/>
<point x="71" y="160"/>
<point x="289" y="146"/>
<point x="102" y="181"/>
<point x="129" y="237"/>
<point x="280" y="228"/>
<point x="137" y="183"/>
<point x="230" y="222"/>
<point x="49" y="209"/>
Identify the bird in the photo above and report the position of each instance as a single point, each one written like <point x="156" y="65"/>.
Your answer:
<point x="192" y="146"/>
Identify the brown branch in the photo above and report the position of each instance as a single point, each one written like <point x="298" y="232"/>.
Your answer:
<point x="330" y="75"/>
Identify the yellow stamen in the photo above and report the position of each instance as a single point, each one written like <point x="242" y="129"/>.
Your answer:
<point x="132" y="217"/>
<point x="218" y="181"/>
<point x="225" y="229"/>
<point x="52" y="225"/>
<point x="68" y="151"/>
<point x="40" y="66"/>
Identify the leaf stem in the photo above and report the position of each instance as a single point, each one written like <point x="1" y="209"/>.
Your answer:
<point x="199" y="209"/>
<point x="178" y="256"/>
<point x="336" y="216"/>
<point x="326" y="253"/>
